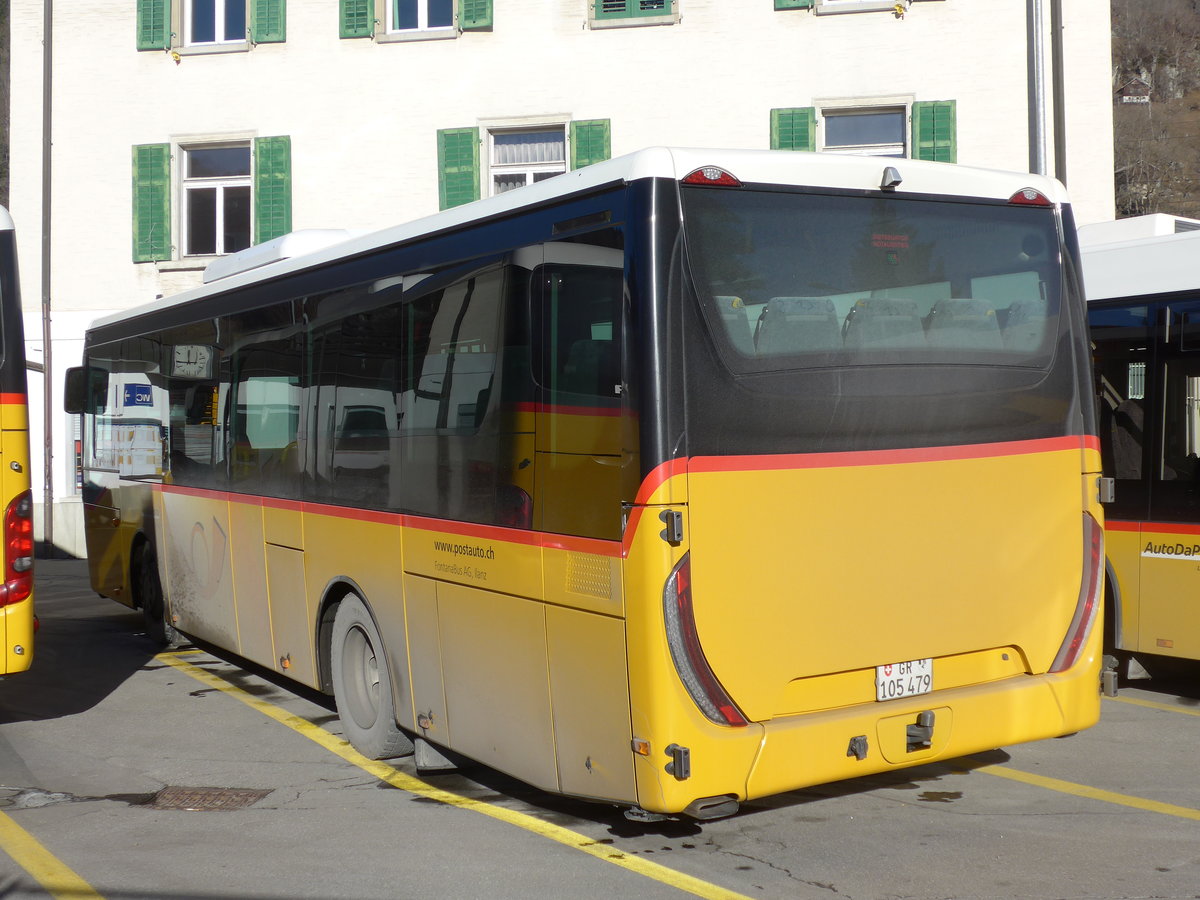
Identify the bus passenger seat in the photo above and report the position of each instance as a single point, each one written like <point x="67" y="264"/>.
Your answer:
<point x="798" y="325"/>
<point x="1025" y="326"/>
<point x="733" y="314"/>
<point x="964" y="324"/>
<point x="883" y="322"/>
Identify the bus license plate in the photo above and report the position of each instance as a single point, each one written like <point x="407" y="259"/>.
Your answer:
<point x="904" y="679"/>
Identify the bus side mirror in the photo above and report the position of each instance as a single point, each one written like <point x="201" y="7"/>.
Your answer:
<point x="85" y="390"/>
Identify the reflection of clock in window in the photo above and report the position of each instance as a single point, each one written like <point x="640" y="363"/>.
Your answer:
<point x="192" y="361"/>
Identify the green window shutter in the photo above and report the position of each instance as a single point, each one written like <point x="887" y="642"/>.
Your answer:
<point x="154" y="24"/>
<point x="934" y="131"/>
<point x="793" y="4"/>
<point x="794" y="129"/>
<point x="458" y="166"/>
<point x="475" y="15"/>
<point x="625" y="9"/>
<point x="272" y="187"/>
<point x="268" y="21"/>
<point x="357" y="18"/>
<point x="151" y="202"/>
<point x="591" y="142"/>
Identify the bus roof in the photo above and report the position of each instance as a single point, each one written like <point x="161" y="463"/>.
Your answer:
<point x="749" y="166"/>
<point x="1121" y="261"/>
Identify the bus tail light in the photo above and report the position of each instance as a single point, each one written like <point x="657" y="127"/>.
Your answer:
<point x="711" y="176"/>
<point x="1090" y="592"/>
<point x="693" y="668"/>
<point x="18" y="550"/>
<point x="1029" y="197"/>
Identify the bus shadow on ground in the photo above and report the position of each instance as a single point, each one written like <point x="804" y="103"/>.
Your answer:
<point x="80" y="658"/>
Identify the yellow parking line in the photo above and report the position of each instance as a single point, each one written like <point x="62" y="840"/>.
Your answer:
<point x="1151" y="704"/>
<point x="56" y="878"/>
<point x="1092" y="793"/>
<point x="412" y="785"/>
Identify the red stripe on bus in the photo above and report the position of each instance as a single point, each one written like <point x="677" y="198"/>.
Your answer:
<point x="12" y="399"/>
<point x="851" y="458"/>
<point x="1114" y="525"/>
<point x="1155" y="527"/>
<point x="529" y="538"/>
<point x="563" y="410"/>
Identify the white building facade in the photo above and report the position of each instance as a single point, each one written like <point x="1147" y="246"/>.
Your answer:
<point x="181" y="130"/>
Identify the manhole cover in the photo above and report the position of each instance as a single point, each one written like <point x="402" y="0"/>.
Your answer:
<point x="206" y="798"/>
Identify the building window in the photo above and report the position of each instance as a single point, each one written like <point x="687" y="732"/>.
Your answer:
<point x="872" y="132"/>
<point x="420" y="15"/>
<point x="217" y="208"/>
<point x="209" y="26"/>
<point x="632" y="12"/>
<point x="223" y="195"/>
<point x="518" y="158"/>
<point x="918" y="129"/>
<point x="214" y="22"/>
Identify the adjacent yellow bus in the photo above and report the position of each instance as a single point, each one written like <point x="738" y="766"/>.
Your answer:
<point x="17" y="620"/>
<point x="684" y="479"/>
<point x="1143" y="288"/>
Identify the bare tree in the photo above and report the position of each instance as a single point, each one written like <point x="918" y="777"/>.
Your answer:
<point x="1156" y="144"/>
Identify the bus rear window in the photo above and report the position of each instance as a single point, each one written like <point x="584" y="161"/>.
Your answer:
<point x="791" y="280"/>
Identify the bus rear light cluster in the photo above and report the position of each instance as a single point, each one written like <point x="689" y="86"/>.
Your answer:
<point x="711" y="176"/>
<point x="18" y="550"/>
<point x="1090" y="594"/>
<point x="1029" y="197"/>
<point x="694" y="671"/>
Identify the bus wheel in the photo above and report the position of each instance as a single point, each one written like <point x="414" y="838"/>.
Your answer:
<point x="150" y="594"/>
<point x="362" y="685"/>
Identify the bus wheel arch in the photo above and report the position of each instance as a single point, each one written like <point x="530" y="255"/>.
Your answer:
<point x="148" y="593"/>
<point x="361" y="679"/>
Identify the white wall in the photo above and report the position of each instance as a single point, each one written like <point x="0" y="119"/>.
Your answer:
<point x="363" y="115"/>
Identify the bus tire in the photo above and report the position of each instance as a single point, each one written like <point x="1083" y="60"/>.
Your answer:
<point x="150" y="596"/>
<point x="362" y="685"/>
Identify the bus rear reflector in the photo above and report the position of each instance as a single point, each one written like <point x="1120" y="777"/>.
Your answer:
<point x="18" y="550"/>
<point x="695" y="673"/>
<point x="711" y="175"/>
<point x="1088" y="606"/>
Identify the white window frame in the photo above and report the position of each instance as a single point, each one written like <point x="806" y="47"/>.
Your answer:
<point x="181" y="31"/>
<point x="864" y="105"/>
<point x="186" y="185"/>
<point x="218" y="24"/>
<point x="385" y="15"/>
<point x="492" y="169"/>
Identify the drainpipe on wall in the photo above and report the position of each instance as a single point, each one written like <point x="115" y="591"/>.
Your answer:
<point x="1059" y="91"/>
<point x="1037" y="87"/>
<point x="47" y="387"/>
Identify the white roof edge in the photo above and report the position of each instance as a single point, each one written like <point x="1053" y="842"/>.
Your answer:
<point x="762" y="166"/>
<point x="1141" y="267"/>
<point x="6" y="222"/>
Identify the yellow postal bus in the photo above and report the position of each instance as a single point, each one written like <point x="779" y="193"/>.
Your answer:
<point x="683" y="479"/>
<point x="1144" y="308"/>
<point x="17" y="620"/>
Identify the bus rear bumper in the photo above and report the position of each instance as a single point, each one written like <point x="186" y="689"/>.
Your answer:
<point x="821" y="747"/>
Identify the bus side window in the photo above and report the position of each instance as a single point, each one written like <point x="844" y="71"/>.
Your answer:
<point x="265" y="411"/>
<point x="582" y="433"/>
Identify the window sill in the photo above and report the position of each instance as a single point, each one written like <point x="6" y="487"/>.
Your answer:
<point x="188" y="264"/>
<point x="401" y="37"/>
<point x="633" y="21"/>
<point x="837" y="7"/>
<point x="212" y="49"/>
